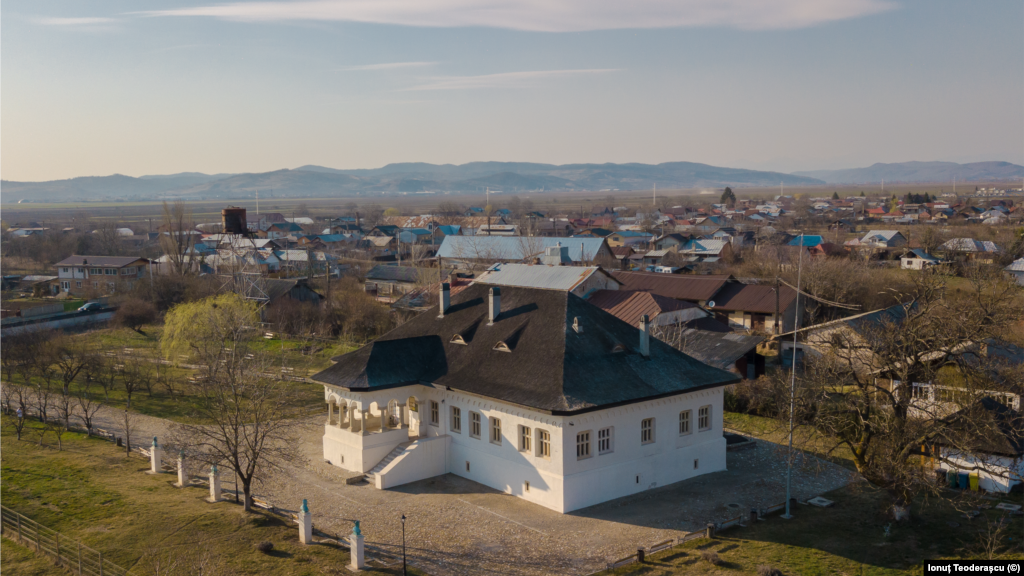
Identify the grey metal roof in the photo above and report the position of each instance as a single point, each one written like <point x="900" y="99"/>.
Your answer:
<point x="498" y="248"/>
<point x="408" y="274"/>
<point x="549" y="366"/>
<point x="718" y="349"/>
<point x="1016" y="266"/>
<point x="539" y="276"/>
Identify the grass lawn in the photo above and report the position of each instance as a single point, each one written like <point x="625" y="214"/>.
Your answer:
<point x="847" y="538"/>
<point x="17" y="559"/>
<point x="92" y="492"/>
<point x="304" y="357"/>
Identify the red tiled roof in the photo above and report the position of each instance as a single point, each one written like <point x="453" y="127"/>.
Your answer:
<point x="629" y="306"/>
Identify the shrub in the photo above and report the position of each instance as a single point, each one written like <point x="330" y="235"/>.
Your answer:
<point x="134" y="312"/>
<point x="265" y="547"/>
<point x="766" y="570"/>
<point x="711" y="557"/>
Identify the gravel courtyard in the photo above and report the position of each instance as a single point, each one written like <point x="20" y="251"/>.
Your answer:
<point x="455" y="526"/>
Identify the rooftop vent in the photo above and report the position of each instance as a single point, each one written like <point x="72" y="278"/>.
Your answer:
<point x="501" y="347"/>
<point x="576" y="325"/>
<point x="645" y="336"/>
<point x="457" y="339"/>
<point x="493" y="305"/>
<point x="556" y="255"/>
<point x="446" y="298"/>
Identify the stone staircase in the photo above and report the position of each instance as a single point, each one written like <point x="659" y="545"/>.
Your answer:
<point x="371" y="476"/>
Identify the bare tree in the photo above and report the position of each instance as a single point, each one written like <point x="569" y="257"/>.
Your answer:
<point x="136" y="374"/>
<point x="108" y="240"/>
<point x="71" y="356"/>
<point x="177" y="238"/>
<point x="65" y="405"/>
<point x="88" y="407"/>
<point x="887" y="388"/>
<point x="128" y="424"/>
<point x="249" y="425"/>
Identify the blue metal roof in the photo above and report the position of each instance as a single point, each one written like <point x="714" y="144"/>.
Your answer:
<point x="807" y="241"/>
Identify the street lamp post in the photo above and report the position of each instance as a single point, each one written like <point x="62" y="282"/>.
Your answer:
<point x="403" y="545"/>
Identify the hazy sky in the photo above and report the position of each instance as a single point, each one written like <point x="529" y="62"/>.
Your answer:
<point x="95" y="88"/>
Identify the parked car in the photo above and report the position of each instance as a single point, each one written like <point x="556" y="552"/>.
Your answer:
<point x="91" y="306"/>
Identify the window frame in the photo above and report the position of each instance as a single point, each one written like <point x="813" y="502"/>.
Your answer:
<point x="686" y="422"/>
<point x="543" y="443"/>
<point x="475" y="423"/>
<point x="525" y="439"/>
<point x="455" y="424"/>
<point x="610" y="439"/>
<point x="583" y="450"/>
<point x="494" y="427"/>
<point x="704" y="418"/>
<point x="647" y="431"/>
<point x="435" y="413"/>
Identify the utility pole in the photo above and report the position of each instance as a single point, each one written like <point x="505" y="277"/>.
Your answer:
<point x="777" y="329"/>
<point x="792" y="382"/>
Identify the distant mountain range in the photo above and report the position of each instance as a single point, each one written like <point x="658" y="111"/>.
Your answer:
<point x="921" y="172"/>
<point x="318" y="181"/>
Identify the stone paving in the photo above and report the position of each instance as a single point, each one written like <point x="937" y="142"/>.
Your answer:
<point x="455" y="526"/>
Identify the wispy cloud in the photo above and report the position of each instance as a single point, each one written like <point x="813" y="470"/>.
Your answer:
<point x="550" y="15"/>
<point x="76" y="22"/>
<point x="387" y="66"/>
<point x="502" y="80"/>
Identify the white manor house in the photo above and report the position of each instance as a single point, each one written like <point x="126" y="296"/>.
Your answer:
<point x="534" y="392"/>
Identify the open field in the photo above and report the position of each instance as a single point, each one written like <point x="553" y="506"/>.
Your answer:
<point x="17" y="559"/>
<point x="93" y="493"/>
<point x="139" y="214"/>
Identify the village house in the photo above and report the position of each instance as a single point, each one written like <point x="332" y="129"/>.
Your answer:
<point x="476" y="251"/>
<point x="77" y="275"/>
<point x="1016" y="270"/>
<point x="551" y="274"/>
<point x="532" y="392"/>
<point x="918" y="259"/>
<point x="969" y="249"/>
<point x="387" y="280"/>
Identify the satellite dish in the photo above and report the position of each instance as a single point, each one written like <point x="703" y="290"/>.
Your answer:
<point x="711" y="303"/>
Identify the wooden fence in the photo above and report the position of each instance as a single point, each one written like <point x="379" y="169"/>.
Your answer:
<point x="63" y="550"/>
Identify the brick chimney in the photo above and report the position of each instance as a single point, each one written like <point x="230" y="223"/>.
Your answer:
<point x="446" y="298"/>
<point x="645" y="336"/>
<point x="493" y="305"/>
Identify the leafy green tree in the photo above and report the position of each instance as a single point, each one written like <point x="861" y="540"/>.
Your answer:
<point x="204" y="328"/>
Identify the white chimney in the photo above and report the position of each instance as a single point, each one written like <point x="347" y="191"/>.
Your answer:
<point x="493" y="305"/>
<point x="645" y="336"/>
<point x="446" y="298"/>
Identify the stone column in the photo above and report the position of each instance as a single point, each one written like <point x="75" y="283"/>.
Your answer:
<point x="155" y="458"/>
<point x="402" y="415"/>
<point x="215" y="495"/>
<point x="362" y="422"/>
<point x="182" y="470"/>
<point x="330" y="413"/>
<point x="305" y="524"/>
<point x="342" y="413"/>
<point x="355" y="546"/>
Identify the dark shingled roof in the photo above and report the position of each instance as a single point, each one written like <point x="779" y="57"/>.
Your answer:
<point x="753" y="298"/>
<point x="719" y="349"/>
<point x="409" y="274"/>
<point x="672" y="285"/>
<point x="550" y="366"/>
<point x="991" y="427"/>
<point x="100" y="261"/>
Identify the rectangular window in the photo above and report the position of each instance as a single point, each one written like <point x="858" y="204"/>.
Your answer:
<point x="543" y="444"/>
<point x="95" y="284"/>
<point x="435" y="413"/>
<point x="456" y="420"/>
<point x="604" y="441"/>
<point x="78" y="284"/>
<point x="684" y="422"/>
<point x="696" y="463"/>
<point x="583" y="445"/>
<point x="525" y="438"/>
<point x="64" y="270"/>
<point x="526" y="486"/>
<point x="495" y="431"/>
<point x="647" y="431"/>
<point x="128" y="271"/>
<point x="110" y="271"/>
<point x="704" y="418"/>
<point x="96" y="271"/>
<point x="474" y="424"/>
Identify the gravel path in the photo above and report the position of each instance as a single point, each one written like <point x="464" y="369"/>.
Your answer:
<point x="456" y="526"/>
